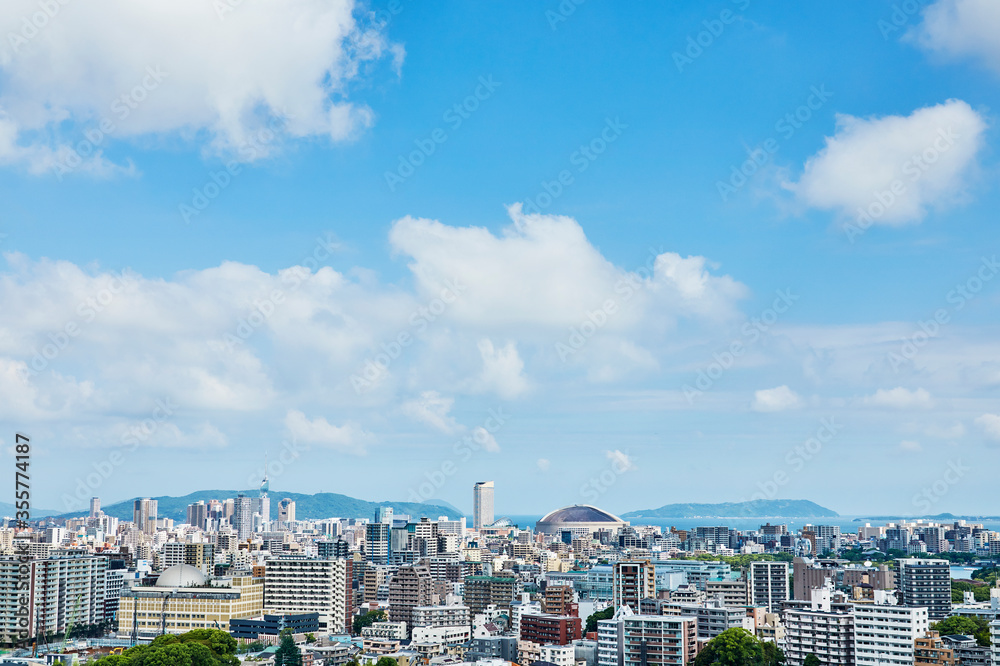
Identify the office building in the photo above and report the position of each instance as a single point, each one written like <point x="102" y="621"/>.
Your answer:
<point x="925" y="583"/>
<point x="482" y="505"/>
<point x="144" y="515"/>
<point x="181" y="600"/>
<point x="273" y="625"/>
<point x="243" y="517"/>
<point x="296" y="585"/>
<point x="197" y="515"/>
<point x="95" y="507"/>
<point x="377" y="543"/>
<point x="286" y="512"/>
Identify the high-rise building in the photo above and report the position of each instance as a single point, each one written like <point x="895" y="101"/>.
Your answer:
<point x="409" y="588"/>
<point x="295" y="585"/>
<point x="286" y="511"/>
<point x="197" y="515"/>
<point x="646" y="640"/>
<point x="482" y="505"/>
<point x="633" y="582"/>
<point x="925" y="583"/>
<point x="144" y="515"/>
<point x="198" y="555"/>
<point x="767" y="584"/>
<point x="482" y="591"/>
<point x="243" y="517"/>
<point x="820" y="627"/>
<point x="377" y="543"/>
<point x="95" y="506"/>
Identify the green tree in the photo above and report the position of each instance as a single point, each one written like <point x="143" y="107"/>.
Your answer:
<point x="605" y="614"/>
<point x="386" y="661"/>
<point x="970" y="626"/>
<point x="812" y="660"/>
<point x="200" y="647"/>
<point x="310" y="638"/>
<point x="367" y="619"/>
<point x="288" y="653"/>
<point x="738" y="647"/>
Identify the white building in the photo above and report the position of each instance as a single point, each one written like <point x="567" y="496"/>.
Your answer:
<point x="482" y="504"/>
<point x="561" y="655"/>
<point x="884" y="632"/>
<point x="300" y="585"/>
<point x="767" y="584"/>
<point x="442" y="635"/>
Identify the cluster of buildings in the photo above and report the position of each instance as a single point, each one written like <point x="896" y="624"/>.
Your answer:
<point x="434" y="592"/>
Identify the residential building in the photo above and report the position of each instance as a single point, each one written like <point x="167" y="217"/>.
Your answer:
<point x="925" y="583"/>
<point x="409" y="588"/>
<point x="930" y="650"/>
<point x="767" y="584"/>
<point x="296" y="585"/>
<point x="633" y="582"/>
<point x="441" y="616"/>
<point x="144" y="515"/>
<point x="732" y="592"/>
<point x="646" y="640"/>
<point x="551" y="629"/>
<point x="286" y="512"/>
<point x="885" y="633"/>
<point x="243" y="517"/>
<point x="820" y="627"/>
<point x="483" y="591"/>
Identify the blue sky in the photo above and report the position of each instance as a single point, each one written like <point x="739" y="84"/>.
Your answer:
<point x="643" y="226"/>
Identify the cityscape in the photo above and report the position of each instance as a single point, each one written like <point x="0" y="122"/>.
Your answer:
<point x="500" y="333"/>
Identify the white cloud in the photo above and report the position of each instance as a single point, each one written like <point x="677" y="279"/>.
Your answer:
<point x="485" y="439"/>
<point x="620" y="462"/>
<point x="290" y="61"/>
<point x="900" y="398"/>
<point x="348" y="438"/>
<point x="894" y="168"/>
<point x="990" y="425"/>
<point x="775" y="400"/>
<point x="544" y="464"/>
<point x="502" y="370"/>
<point x="433" y="409"/>
<point x="952" y="432"/>
<point x="961" y="29"/>
<point x="910" y="446"/>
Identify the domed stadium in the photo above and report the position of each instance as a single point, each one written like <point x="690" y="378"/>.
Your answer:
<point x="579" y="517"/>
<point x="181" y="575"/>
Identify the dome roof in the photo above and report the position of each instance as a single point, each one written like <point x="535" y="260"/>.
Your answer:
<point x="580" y="513"/>
<point x="181" y="575"/>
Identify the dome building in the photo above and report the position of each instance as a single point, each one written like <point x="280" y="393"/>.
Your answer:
<point x="579" y="518"/>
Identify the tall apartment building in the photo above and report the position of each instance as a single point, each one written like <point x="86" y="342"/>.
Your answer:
<point x="197" y="515"/>
<point x="885" y="633"/>
<point x="333" y="549"/>
<point x="820" y="627"/>
<point x="95" y="507"/>
<point x="376" y="583"/>
<point x="732" y="592"/>
<point x="767" y="584"/>
<point x="633" y="582"/>
<point x="64" y="590"/>
<point x="294" y="585"/>
<point x="114" y="581"/>
<point x="409" y="588"/>
<point x="646" y="640"/>
<point x="144" y="515"/>
<point x="547" y="629"/>
<point x="810" y="574"/>
<point x="482" y="505"/>
<point x="482" y="591"/>
<point x="925" y="583"/>
<point x="712" y="617"/>
<point x="558" y="600"/>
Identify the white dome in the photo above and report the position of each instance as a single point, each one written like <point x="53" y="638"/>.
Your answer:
<point x="181" y="575"/>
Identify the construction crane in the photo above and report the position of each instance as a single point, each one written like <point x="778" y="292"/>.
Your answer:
<point x="135" y="618"/>
<point x="73" y="618"/>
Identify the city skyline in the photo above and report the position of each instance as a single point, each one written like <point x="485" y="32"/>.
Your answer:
<point x="627" y="258"/>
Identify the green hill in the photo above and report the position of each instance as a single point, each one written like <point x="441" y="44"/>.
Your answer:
<point x="758" y="508"/>
<point x="320" y="505"/>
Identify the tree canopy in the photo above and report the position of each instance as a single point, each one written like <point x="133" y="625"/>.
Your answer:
<point x="592" y="619"/>
<point x="367" y="619"/>
<point x="199" y="647"/>
<point x="288" y="653"/>
<point x="738" y="647"/>
<point x="970" y="626"/>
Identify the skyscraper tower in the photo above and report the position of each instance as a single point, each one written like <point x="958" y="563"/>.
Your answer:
<point x="482" y="504"/>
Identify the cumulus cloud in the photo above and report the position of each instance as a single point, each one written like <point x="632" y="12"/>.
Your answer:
<point x="990" y="425"/>
<point x="956" y="29"/>
<point x="434" y="410"/>
<point x="243" y="71"/>
<point x="502" y="370"/>
<point x="621" y="462"/>
<point x="900" y="398"/>
<point x="544" y="464"/>
<point x="485" y="439"/>
<point x="777" y="399"/>
<point x="348" y="438"/>
<point x="910" y="446"/>
<point x="890" y="170"/>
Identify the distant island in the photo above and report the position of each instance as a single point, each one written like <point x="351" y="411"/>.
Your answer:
<point x="940" y="516"/>
<point x="307" y="507"/>
<point x="755" y="509"/>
